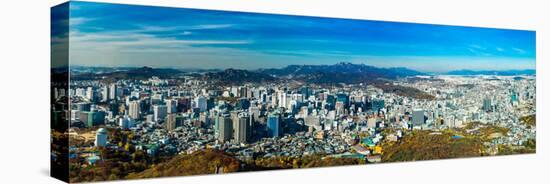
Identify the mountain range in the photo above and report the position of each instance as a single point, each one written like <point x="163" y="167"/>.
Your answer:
<point x="342" y="68"/>
<point x="133" y="73"/>
<point x="309" y="74"/>
<point x="317" y="74"/>
<point x="493" y="72"/>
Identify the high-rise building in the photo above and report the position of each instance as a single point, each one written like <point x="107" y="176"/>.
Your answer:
<point x="225" y="128"/>
<point x="377" y="104"/>
<point x="101" y="137"/>
<point x="243" y="103"/>
<point x="80" y="92"/>
<point x="134" y="109"/>
<point x="418" y="117"/>
<point x="487" y="104"/>
<point x="104" y="94"/>
<point x="254" y="112"/>
<point x="243" y="91"/>
<point x="184" y="104"/>
<point x="274" y="101"/>
<point x="234" y="91"/>
<point x="159" y="112"/>
<point x="273" y="125"/>
<point x="157" y="98"/>
<point x="251" y="125"/>
<point x="216" y="124"/>
<point x="112" y="92"/>
<point x="313" y="121"/>
<point x="83" y="106"/>
<point x="263" y="97"/>
<point x="281" y="96"/>
<point x="344" y="98"/>
<point x="340" y="107"/>
<point x="92" y="118"/>
<point x="125" y="122"/>
<point x="205" y="118"/>
<point x="115" y="108"/>
<point x="171" y="122"/>
<point x="305" y="91"/>
<point x="241" y="128"/>
<point x="201" y="103"/>
<point x="90" y="95"/>
<point x="171" y="106"/>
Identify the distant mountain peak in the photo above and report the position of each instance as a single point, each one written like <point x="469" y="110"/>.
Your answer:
<point x="143" y="69"/>
<point x="342" y="72"/>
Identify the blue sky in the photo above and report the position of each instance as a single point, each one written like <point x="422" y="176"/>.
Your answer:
<point x="125" y="35"/>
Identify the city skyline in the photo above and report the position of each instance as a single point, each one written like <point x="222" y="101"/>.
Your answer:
<point x="114" y="35"/>
<point x="303" y="92"/>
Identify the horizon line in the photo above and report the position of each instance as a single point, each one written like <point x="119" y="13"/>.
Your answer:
<point x="382" y="67"/>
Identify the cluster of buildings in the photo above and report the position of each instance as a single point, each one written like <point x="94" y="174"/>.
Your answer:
<point x="168" y="116"/>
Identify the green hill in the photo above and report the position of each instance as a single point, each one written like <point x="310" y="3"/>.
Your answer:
<point x="530" y="121"/>
<point x="422" y="145"/>
<point x="198" y="163"/>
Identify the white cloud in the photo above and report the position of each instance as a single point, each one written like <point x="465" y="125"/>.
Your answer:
<point x="518" y="50"/>
<point x="139" y="39"/>
<point x="182" y="28"/>
<point x="74" y="21"/>
<point x="128" y="48"/>
<point x="478" y="50"/>
<point x="478" y="47"/>
<point x="210" y="26"/>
